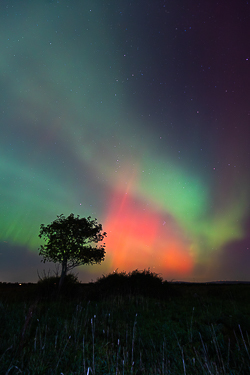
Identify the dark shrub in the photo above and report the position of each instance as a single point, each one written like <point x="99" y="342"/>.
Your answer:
<point x="48" y="285"/>
<point x="136" y="282"/>
<point x="113" y="283"/>
<point x="145" y="282"/>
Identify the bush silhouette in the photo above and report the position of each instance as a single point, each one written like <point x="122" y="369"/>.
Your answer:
<point x="143" y="282"/>
<point x="48" y="285"/>
<point x="113" y="283"/>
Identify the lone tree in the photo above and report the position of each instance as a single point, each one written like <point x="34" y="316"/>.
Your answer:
<point x="70" y="240"/>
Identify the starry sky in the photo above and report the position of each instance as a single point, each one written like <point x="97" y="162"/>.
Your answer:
<point x="136" y="113"/>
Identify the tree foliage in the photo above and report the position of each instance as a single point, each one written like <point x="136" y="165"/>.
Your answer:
<point x="70" y="240"/>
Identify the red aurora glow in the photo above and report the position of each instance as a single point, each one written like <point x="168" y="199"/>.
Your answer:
<point x="141" y="238"/>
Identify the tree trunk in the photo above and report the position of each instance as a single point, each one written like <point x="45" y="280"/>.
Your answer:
<point x="63" y="273"/>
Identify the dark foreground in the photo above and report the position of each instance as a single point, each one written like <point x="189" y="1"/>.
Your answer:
<point x="104" y="329"/>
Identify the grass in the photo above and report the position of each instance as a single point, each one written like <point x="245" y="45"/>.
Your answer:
<point x="117" y="328"/>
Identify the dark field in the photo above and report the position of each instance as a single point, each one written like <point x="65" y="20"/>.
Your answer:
<point x="118" y="326"/>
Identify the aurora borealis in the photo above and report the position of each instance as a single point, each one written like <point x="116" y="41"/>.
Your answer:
<point x="136" y="113"/>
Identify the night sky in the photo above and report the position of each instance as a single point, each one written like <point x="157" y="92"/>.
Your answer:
<point x="136" y="113"/>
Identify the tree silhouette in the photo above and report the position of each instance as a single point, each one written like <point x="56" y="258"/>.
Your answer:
<point x="70" y="240"/>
